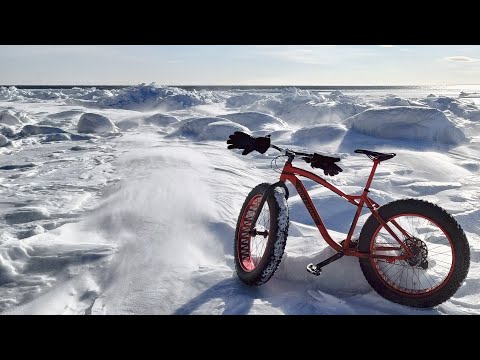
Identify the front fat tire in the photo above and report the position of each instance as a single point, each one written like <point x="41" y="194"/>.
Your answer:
<point x="450" y="227"/>
<point x="277" y="238"/>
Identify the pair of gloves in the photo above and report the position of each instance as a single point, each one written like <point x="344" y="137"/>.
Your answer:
<point x="241" y="140"/>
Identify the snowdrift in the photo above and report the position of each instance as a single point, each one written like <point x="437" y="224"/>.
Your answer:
<point x="303" y="108"/>
<point x="457" y="107"/>
<point x="95" y="123"/>
<point x="153" y="96"/>
<point x="161" y="120"/>
<point x="407" y="123"/>
<point x="237" y="101"/>
<point x="29" y="130"/>
<point x="393" y="100"/>
<point x="257" y="121"/>
<point x="7" y="117"/>
<point x="4" y="141"/>
<point x="139" y="97"/>
<point x="127" y="124"/>
<point x="208" y="128"/>
<point x="245" y="99"/>
<point x="318" y="134"/>
<point x="7" y="131"/>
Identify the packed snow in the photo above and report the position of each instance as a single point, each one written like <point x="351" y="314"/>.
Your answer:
<point x="318" y="134"/>
<point x="407" y="123"/>
<point x="208" y="128"/>
<point x="94" y="123"/>
<point x="125" y="201"/>
<point x="4" y="141"/>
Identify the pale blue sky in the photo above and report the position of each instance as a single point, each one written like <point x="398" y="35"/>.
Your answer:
<point x="240" y="64"/>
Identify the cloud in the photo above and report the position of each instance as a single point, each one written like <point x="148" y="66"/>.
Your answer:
<point x="297" y="54"/>
<point x="313" y="54"/>
<point x="386" y="46"/>
<point x="464" y="59"/>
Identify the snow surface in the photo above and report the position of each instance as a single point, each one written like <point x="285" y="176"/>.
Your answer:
<point x="257" y="121"/>
<point x="407" y="123"/>
<point x="7" y="117"/>
<point x="95" y="123"/>
<point x="143" y="222"/>
<point x="318" y="134"/>
<point x="4" y="140"/>
<point x="208" y="128"/>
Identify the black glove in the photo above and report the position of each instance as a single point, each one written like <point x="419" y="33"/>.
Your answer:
<point x="240" y="140"/>
<point x="327" y="163"/>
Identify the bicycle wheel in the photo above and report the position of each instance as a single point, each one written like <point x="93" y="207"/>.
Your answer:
<point x="441" y="254"/>
<point x="259" y="249"/>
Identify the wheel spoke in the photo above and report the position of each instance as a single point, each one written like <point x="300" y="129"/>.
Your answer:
<point x="407" y="276"/>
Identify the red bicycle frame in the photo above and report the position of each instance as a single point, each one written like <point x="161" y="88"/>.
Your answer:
<point x="290" y="173"/>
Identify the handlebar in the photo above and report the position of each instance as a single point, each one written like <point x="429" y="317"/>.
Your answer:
<point x="373" y="155"/>
<point x="290" y="153"/>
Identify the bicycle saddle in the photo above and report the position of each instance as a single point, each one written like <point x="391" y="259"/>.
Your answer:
<point x="373" y="155"/>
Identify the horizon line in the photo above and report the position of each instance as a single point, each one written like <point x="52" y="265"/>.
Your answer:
<point x="26" y="86"/>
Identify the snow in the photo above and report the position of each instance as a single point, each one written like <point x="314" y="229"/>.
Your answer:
<point x="7" y="117"/>
<point x="161" y="120"/>
<point x="4" y="141"/>
<point x="7" y="131"/>
<point x="25" y="215"/>
<point x="127" y="124"/>
<point x="303" y="111"/>
<point x="143" y="222"/>
<point x="318" y="134"/>
<point x="408" y="123"/>
<point x="56" y="137"/>
<point x="256" y="121"/>
<point x="464" y="94"/>
<point x="153" y="96"/>
<point x="28" y="130"/>
<point x="237" y="101"/>
<point x="458" y="107"/>
<point x="393" y="100"/>
<point x="207" y="128"/>
<point x="94" y="123"/>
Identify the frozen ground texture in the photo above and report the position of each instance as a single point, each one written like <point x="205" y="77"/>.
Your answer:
<point x="125" y="201"/>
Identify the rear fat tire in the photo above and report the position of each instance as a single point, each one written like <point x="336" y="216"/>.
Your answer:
<point x="277" y="238"/>
<point x="459" y="244"/>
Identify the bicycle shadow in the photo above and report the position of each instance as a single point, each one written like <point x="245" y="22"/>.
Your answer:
<point x="285" y="297"/>
<point x="237" y="297"/>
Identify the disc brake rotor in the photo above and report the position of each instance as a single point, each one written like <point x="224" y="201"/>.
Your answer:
<point x="420" y="253"/>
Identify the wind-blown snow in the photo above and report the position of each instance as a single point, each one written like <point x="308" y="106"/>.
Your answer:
<point x="161" y="120"/>
<point x="304" y="109"/>
<point x="408" y="123"/>
<point x="257" y="121"/>
<point x="209" y="128"/>
<point x="318" y="134"/>
<point x="142" y="221"/>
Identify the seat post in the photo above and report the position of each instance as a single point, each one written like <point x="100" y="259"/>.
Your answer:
<point x="372" y="173"/>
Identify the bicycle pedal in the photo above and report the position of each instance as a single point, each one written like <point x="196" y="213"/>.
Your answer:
<point x="314" y="269"/>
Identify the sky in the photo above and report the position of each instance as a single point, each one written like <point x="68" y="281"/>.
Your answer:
<point x="240" y="64"/>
